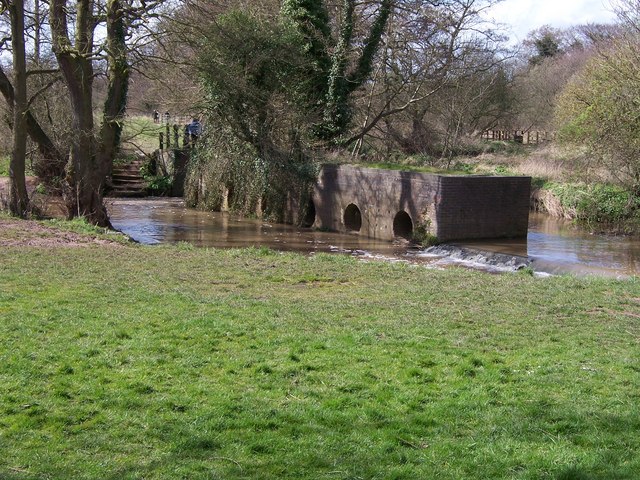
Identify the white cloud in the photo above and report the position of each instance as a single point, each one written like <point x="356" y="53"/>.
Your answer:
<point x="522" y="16"/>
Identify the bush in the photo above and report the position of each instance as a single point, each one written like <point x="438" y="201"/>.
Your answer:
<point x="158" y="185"/>
<point x="597" y="206"/>
<point x="254" y="77"/>
<point x="599" y="109"/>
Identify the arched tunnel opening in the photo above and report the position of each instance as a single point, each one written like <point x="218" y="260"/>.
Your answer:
<point x="352" y="218"/>
<point x="309" y="216"/>
<point x="403" y="225"/>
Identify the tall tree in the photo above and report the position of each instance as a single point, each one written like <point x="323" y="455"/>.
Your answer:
<point x="339" y="70"/>
<point x="85" y="176"/>
<point x="19" y="199"/>
<point x="90" y="160"/>
<point x="598" y="108"/>
<point x="431" y="51"/>
<point x="117" y="84"/>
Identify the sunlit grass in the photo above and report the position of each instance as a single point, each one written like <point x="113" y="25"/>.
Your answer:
<point x="417" y="168"/>
<point x="141" y="135"/>
<point x="4" y="166"/>
<point x="174" y="362"/>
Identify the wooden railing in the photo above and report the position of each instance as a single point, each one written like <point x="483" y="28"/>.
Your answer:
<point x="527" y="137"/>
<point x="173" y="136"/>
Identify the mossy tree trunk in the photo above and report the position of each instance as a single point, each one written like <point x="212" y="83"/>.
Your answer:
<point x="19" y="199"/>
<point x="335" y="80"/>
<point x="117" y="85"/>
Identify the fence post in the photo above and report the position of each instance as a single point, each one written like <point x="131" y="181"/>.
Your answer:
<point x="185" y="138"/>
<point x="175" y="135"/>
<point x="161" y="135"/>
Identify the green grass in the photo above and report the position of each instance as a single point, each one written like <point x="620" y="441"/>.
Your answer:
<point x="417" y="168"/>
<point x="84" y="228"/>
<point x="4" y="166"/>
<point x="173" y="362"/>
<point x="598" y="206"/>
<point x="141" y="134"/>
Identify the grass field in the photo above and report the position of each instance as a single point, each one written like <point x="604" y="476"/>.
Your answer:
<point x="131" y="362"/>
<point x="140" y="134"/>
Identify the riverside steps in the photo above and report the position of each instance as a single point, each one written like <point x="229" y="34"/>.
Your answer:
<point x="127" y="181"/>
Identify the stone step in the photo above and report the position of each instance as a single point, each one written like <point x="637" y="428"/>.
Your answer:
<point x="128" y="193"/>
<point x="123" y="177"/>
<point x="130" y="171"/>
<point x="132" y="186"/>
<point x="128" y="165"/>
<point x="127" y="181"/>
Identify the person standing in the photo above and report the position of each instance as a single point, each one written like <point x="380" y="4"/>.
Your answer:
<point x="194" y="129"/>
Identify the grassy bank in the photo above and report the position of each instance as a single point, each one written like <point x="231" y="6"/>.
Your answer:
<point x="123" y="362"/>
<point x="597" y="207"/>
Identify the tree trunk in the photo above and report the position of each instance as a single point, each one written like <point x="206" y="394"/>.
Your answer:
<point x="118" y="82"/>
<point x="37" y="38"/>
<point x="19" y="200"/>
<point x="340" y="85"/>
<point x="86" y="172"/>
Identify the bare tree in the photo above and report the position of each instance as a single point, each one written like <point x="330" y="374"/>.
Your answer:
<point x="431" y="50"/>
<point x="73" y="43"/>
<point x="19" y="200"/>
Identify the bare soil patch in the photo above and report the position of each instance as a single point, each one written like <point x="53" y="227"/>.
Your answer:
<point x="18" y="233"/>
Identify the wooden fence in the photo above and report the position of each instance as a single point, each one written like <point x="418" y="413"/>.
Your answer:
<point x="527" y="137"/>
<point x="173" y="135"/>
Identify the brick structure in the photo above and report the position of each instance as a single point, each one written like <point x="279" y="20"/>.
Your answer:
<point x="384" y="204"/>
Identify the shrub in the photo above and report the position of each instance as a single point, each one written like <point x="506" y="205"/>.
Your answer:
<point x="597" y="205"/>
<point x="599" y="109"/>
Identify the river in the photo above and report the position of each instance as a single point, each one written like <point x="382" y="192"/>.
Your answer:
<point x="552" y="246"/>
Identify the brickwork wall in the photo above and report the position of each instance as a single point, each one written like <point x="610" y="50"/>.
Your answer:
<point x="379" y="194"/>
<point x="457" y="207"/>
<point x="482" y="207"/>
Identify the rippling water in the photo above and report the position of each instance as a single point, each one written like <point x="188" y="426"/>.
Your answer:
<point x="553" y="245"/>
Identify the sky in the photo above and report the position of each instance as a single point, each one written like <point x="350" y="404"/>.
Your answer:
<point x="522" y="16"/>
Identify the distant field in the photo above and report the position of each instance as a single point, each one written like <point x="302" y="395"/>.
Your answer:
<point x="140" y="134"/>
<point x="131" y="362"/>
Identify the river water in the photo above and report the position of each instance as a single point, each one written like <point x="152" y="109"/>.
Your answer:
<point x="552" y="246"/>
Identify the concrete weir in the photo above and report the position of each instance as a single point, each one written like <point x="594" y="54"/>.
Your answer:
<point x="386" y="204"/>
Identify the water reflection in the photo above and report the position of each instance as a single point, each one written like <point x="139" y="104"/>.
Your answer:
<point x="559" y="244"/>
<point x="166" y="220"/>
<point x="555" y="246"/>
